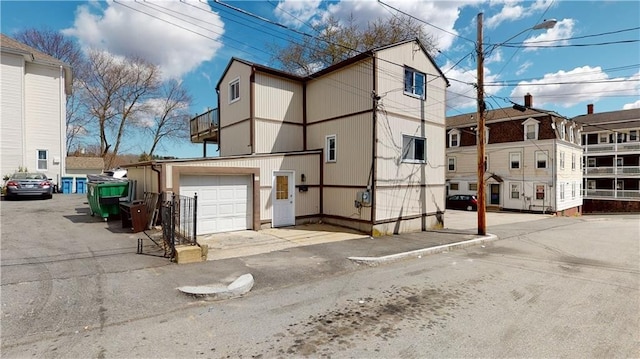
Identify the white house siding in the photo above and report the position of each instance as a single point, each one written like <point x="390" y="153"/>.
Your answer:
<point x="345" y="91"/>
<point x="571" y="178"/>
<point x="236" y="138"/>
<point x="11" y="113"/>
<point x="274" y="137"/>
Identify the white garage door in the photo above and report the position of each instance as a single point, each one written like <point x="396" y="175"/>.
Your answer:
<point x="224" y="202"/>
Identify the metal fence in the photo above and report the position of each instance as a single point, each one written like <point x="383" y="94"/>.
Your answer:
<point x="179" y="224"/>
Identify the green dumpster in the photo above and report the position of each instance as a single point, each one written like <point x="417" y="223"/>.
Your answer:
<point x="104" y="197"/>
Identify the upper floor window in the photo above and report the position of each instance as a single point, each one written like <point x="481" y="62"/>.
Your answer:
<point x="561" y="160"/>
<point x="541" y="159"/>
<point x="563" y="130"/>
<point x="514" y="160"/>
<point x="571" y="134"/>
<point x="414" y="83"/>
<point x="579" y="139"/>
<point x="234" y="90"/>
<point x="43" y="160"/>
<point x="603" y="138"/>
<point x="454" y="138"/>
<point x="591" y="162"/>
<point x="451" y="164"/>
<point x="331" y="154"/>
<point x="530" y="129"/>
<point x="573" y="161"/>
<point x="413" y="148"/>
<point x="633" y="135"/>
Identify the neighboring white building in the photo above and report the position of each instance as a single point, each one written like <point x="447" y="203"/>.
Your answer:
<point x="359" y="144"/>
<point x="533" y="160"/>
<point x="611" y="142"/>
<point x="33" y="92"/>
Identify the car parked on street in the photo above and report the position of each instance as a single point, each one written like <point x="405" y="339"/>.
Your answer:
<point x="23" y="184"/>
<point x="465" y="202"/>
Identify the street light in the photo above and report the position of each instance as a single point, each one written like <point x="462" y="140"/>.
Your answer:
<point x="546" y="24"/>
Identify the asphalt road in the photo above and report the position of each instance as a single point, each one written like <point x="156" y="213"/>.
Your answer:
<point x="73" y="287"/>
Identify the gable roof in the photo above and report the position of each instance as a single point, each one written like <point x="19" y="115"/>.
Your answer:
<point x="359" y="57"/>
<point x="10" y="45"/>
<point x="610" y="120"/>
<point x="501" y="114"/>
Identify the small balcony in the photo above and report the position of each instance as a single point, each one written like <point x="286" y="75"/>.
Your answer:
<point x="611" y="148"/>
<point x="205" y="127"/>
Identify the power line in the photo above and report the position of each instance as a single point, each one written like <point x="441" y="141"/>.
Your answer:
<point x="525" y="45"/>
<point x="584" y="37"/>
<point x="563" y="83"/>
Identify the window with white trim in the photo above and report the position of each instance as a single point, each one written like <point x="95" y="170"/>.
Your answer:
<point x="571" y="134"/>
<point x="330" y="148"/>
<point x="515" y="190"/>
<point x="563" y="130"/>
<point x="591" y="184"/>
<point x="454" y="186"/>
<point x="454" y="138"/>
<point x="451" y="164"/>
<point x="43" y="160"/>
<point x="413" y="149"/>
<point x="619" y="162"/>
<point x="414" y="83"/>
<point x="473" y="186"/>
<point x="573" y="161"/>
<point x="561" y="160"/>
<point x="603" y="138"/>
<point x="578" y="137"/>
<point x="591" y="162"/>
<point x="562" y="191"/>
<point x="531" y="129"/>
<point x="541" y="159"/>
<point x="234" y="90"/>
<point x="573" y="190"/>
<point x="514" y="160"/>
<point x="633" y="135"/>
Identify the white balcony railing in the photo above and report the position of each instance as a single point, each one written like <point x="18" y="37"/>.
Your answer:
<point x="625" y="171"/>
<point x="612" y="194"/>
<point x="612" y="147"/>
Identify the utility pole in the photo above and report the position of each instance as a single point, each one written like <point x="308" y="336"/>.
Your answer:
<point x="482" y="228"/>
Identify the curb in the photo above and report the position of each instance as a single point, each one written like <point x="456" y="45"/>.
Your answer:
<point x="374" y="261"/>
<point x="239" y="287"/>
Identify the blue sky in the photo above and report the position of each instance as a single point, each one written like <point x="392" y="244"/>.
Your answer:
<point x="591" y="56"/>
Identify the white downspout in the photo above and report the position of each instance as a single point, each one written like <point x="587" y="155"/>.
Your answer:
<point x="63" y="128"/>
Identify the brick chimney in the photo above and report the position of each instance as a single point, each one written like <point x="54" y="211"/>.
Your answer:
<point x="528" y="100"/>
<point x="590" y="109"/>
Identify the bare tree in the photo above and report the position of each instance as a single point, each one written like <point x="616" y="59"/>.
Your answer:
<point x="171" y="114"/>
<point x="338" y="41"/>
<point x="115" y="90"/>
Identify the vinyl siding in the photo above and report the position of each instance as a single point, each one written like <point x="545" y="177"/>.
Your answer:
<point x="239" y="110"/>
<point x="42" y="110"/>
<point x="340" y="202"/>
<point x="278" y="99"/>
<point x="342" y="92"/>
<point x="274" y="137"/>
<point x="235" y="139"/>
<point x="306" y="203"/>
<point x="11" y="113"/>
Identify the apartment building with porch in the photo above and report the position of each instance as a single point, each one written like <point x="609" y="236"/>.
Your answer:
<point x="532" y="159"/>
<point x="611" y="158"/>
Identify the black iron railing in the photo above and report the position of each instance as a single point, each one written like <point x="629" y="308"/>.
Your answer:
<point x="179" y="221"/>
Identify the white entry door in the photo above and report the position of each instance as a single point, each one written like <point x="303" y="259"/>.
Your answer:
<point x="284" y="210"/>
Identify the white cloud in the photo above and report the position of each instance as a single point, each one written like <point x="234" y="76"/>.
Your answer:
<point x="162" y="32"/>
<point x="524" y="67"/>
<point x="295" y="12"/>
<point x="632" y="105"/>
<point x="512" y="11"/>
<point x="442" y="14"/>
<point x="496" y="56"/>
<point x="568" y="88"/>
<point x="462" y="95"/>
<point x="562" y="30"/>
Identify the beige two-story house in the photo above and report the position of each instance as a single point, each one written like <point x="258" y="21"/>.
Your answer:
<point x="532" y="159"/>
<point x="359" y="144"/>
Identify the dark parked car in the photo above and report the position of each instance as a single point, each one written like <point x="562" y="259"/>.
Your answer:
<point x="28" y="184"/>
<point x="462" y="201"/>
